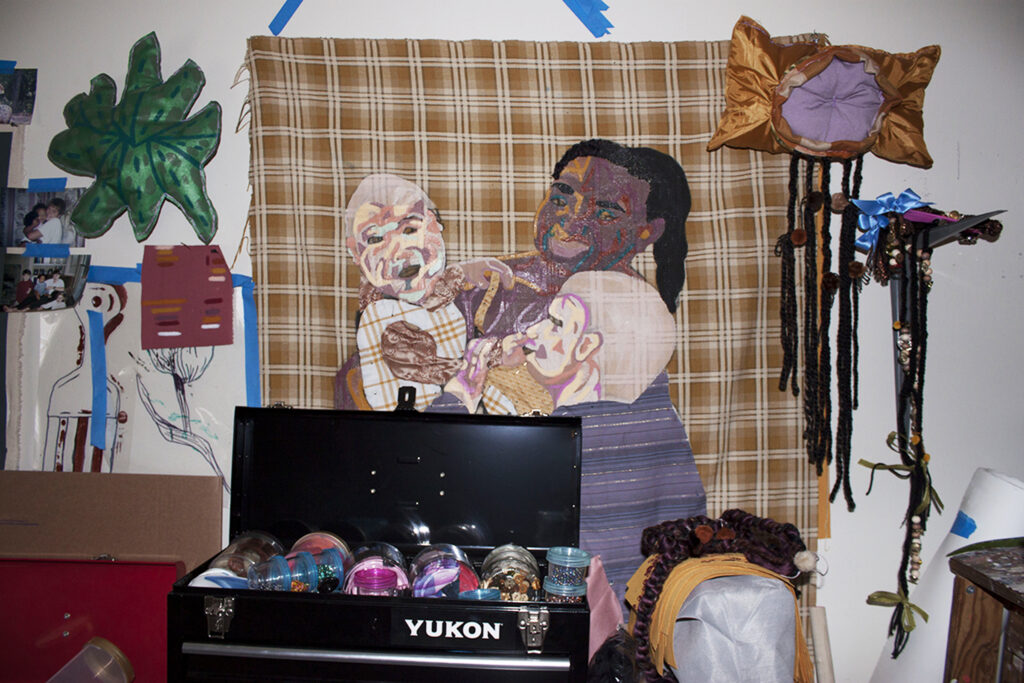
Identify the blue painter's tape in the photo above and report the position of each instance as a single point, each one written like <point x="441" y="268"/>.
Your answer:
<point x="283" y="16"/>
<point x="111" y="275"/>
<point x="47" y="250"/>
<point x="98" y="357"/>
<point x="47" y="184"/>
<point x="7" y="66"/>
<point x="252" y="347"/>
<point x="589" y="12"/>
<point x="963" y="525"/>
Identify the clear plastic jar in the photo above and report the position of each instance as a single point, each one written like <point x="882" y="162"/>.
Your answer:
<point x="99" y="661"/>
<point x="374" y="581"/>
<point x="557" y="592"/>
<point x="330" y="570"/>
<point x="318" y="541"/>
<point x="567" y="565"/>
<point x="442" y="570"/>
<point x="481" y="594"/>
<point x="514" y="571"/>
<point x="247" y="549"/>
<point x="378" y="555"/>
<point x="296" y="573"/>
<point x="300" y="572"/>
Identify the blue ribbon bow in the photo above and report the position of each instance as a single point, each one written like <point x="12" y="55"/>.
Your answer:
<point x="874" y="216"/>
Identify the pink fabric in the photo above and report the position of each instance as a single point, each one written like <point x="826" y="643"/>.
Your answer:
<point x="605" y="614"/>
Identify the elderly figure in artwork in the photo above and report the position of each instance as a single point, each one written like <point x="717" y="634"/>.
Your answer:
<point x="409" y="332"/>
<point x="393" y="233"/>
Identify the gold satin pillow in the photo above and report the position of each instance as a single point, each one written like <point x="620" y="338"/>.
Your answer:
<point x="762" y="76"/>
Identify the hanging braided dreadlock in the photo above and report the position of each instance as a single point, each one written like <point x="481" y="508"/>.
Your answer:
<point x="829" y="284"/>
<point x="765" y="542"/>
<point x="812" y="381"/>
<point x="817" y="317"/>
<point x="784" y="248"/>
<point x="851" y="274"/>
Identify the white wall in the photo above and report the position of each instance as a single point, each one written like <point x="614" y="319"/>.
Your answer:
<point x="972" y="407"/>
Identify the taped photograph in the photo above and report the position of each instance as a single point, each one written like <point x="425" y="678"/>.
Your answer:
<point x="42" y="283"/>
<point x="17" y="96"/>
<point x="39" y="217"/>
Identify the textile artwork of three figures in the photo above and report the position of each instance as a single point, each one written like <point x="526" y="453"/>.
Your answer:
<point x="569" y="328"/>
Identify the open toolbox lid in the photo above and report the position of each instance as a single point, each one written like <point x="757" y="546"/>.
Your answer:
<point x="407" y="478"/>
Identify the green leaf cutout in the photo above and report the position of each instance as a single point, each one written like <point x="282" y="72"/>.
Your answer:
<point x="142" y="150"/>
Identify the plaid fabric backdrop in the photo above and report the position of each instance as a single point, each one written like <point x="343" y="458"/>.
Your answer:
<point x="479" y="126"/>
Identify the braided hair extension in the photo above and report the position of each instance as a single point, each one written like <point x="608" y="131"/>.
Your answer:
<point x="851" y="273"/>
<point x="784" y="248"/>
<point x="855" y="194"/>
<point x="849" y="285"/>
<point x="812" y="414"/>
<point x="829" y="285"/>
<point x="773" y="545"/>
<point x="671" y="542"/>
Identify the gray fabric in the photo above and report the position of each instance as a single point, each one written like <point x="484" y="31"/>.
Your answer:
<point x="736" y="629"/>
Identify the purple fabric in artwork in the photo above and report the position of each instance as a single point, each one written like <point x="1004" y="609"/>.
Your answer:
<point x="638" y="471"/>
<point x="840" y="103"/>
<point x="515" y="309"/>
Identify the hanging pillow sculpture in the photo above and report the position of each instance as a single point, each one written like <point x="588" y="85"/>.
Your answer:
<point x="142" y="150"/>
<point x="823" y="105"/>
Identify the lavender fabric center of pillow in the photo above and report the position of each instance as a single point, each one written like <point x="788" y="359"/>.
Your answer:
<point x="840" y="103"/>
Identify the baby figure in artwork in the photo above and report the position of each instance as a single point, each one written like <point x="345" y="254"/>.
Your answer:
<point x="409" y="332"/>
<point x="606" y="336"/>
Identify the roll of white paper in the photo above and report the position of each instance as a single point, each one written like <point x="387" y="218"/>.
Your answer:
<point x="991" y="509"/>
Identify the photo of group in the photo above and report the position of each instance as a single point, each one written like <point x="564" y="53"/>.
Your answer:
<point x="42" y="283"/>
<point x="17" y="96"/>
<point x="38" y="217"/>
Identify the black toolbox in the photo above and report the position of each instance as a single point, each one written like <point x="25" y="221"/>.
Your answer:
<point x="410" y="479"/>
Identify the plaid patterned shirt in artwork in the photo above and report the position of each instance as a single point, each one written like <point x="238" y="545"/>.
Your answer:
<point x="380" y="385"/>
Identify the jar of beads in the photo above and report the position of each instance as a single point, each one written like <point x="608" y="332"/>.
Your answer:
<point x="514" y="571"/>
<point x="567" y="566"/>
<point x="297" y="573"/>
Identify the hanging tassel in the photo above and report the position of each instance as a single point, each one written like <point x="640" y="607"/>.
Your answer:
<point x="914" y="294"/>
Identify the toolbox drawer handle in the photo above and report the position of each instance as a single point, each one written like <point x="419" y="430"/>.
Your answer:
<point x="460" y="661"/>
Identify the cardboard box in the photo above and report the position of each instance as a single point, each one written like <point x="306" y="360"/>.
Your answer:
<point x="139" y="517"/>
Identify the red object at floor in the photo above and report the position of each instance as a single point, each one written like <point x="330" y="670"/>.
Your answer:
<point x="51" y="608"/>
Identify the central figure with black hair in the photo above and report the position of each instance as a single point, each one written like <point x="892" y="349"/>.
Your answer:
<point x="606" y="204"/>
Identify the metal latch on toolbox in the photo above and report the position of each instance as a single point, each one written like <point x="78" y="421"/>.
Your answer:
<point x="533" y="626"/>
<point x="219" y="611"/>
